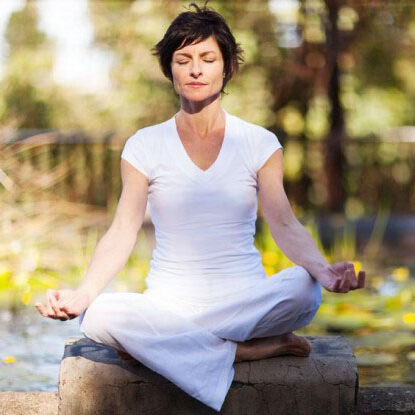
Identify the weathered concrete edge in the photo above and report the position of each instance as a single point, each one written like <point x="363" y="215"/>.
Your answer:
<point x="372" y="400"/>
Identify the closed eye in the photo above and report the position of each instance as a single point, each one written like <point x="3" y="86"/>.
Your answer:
<point x="183" y="63"/>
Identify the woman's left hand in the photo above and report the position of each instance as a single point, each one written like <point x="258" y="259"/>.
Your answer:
<point x="341" y="277"/>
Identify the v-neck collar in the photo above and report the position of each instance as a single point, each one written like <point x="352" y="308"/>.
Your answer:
<point x="188" y="162"/>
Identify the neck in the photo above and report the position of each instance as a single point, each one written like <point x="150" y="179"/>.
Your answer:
<point x="202" y="122"/>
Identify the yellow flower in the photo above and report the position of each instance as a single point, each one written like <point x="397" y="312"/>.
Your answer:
<point x="400" y="274"/>
<point x="409" y="318"/>
<point x="269" y="258"/>
<point x="269" y="271"/>
<point x="357" y="266"/>
<point x="326" y="308"/>
<point x="5" y="272"/>
<point x="8" y="359"/>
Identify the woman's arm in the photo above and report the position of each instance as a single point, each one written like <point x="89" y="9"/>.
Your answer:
<point x="292" y="237"/>
<point x="288" y="233"/>
<point x="116" y="245"/>
<point x="111" y="252"/>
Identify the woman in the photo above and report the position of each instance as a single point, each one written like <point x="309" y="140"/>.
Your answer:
<point x="208" y="301"/>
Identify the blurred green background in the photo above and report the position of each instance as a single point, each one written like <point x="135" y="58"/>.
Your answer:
<point x="335" y="80"/>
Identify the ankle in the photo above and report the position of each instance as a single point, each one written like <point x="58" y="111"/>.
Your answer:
<point x="242" y="352"/>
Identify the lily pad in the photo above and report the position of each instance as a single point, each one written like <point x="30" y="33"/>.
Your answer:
<point x="411" y="356"/>
<point x="347" y="322"/>
<point x="378" y="359"/>
<point x="391" y="340"/>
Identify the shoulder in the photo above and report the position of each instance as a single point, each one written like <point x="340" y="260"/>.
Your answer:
<point x="258" y="143"/>
<point x="255" y="134"/>
<point x="149" y="135"/>
<point x="140" y="148"/>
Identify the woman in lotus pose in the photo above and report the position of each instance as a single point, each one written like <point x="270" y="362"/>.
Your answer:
<point x="207" y="302"/>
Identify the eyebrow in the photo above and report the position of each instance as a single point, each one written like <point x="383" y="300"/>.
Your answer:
<point x="189" y="55"/>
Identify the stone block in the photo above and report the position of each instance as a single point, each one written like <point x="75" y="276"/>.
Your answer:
<point x="94" y="380"/>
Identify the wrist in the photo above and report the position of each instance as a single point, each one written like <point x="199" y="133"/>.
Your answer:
<point x="316" y="269"/>
<point x="90" y="292"/>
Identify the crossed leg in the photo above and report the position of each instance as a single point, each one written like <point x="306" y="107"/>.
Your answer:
<point x="284" y="302"/>
<point x="197" y="352"/>
<point x="194" y="359"/>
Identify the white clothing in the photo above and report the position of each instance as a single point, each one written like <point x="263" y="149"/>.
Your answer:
<point x="194" y="346"/>
<point x="204" y="220"/>
<point x="206" y="288"/>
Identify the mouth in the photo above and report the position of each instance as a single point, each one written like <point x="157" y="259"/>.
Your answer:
<point x="195" y="85"/>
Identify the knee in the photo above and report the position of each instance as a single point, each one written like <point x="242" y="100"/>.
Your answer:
<point x="95" y="321"/>
<point x="305" y="292"/>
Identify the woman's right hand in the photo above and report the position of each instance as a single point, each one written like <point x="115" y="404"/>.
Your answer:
<point x="64" y="304"/>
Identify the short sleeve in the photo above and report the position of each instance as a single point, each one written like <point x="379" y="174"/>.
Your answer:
<point x="268" y="143"/>
<point x="135" y="153"/>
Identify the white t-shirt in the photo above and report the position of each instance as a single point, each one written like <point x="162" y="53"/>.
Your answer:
<point x="204" y="220"/>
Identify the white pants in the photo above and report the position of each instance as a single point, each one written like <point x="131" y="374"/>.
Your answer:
<point x="194" y="347"/>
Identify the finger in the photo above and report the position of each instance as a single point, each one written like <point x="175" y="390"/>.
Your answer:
<point x="361" y="279"/>
<point x="341" y="267"/>
<point x="338" y="268"/>
<point x="53" y="298"/>
<point x="63" y="305"/>
<point x="349" y="276"/>
<point x="44" y="311"/>
<point x="353" y="283"/>
<point x="53" y="303"/>
<point x="352" y="269"/>
<point x="62" y="315"/>
<point x="345" y="284"/>
<point x="49" y="302"/>
<point x="350" y="265"/>
<point x="336" y="285"/>
<point x="41" y="309"/>
<point x="64" y="302"/>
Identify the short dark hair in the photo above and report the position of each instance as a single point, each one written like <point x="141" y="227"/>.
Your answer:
<point x="199" y="25"/>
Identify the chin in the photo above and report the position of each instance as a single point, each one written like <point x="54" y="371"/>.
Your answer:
<point x="199" y="96"/>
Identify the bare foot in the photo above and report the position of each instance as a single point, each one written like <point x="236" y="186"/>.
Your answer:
<point x="265" y="347"/>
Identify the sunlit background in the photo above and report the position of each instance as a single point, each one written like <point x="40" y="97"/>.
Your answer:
<point x="334" y="80"/>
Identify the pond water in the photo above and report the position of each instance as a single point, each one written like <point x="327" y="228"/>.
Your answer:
<point x="36" y="343"/>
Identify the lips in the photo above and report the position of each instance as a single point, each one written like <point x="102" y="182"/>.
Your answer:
<point x="196" y="83"/>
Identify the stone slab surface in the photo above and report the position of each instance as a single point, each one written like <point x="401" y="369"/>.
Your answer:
<point x="29" y="403"/>
<point x="325" y="382"/>
<point x="386" y="400"/>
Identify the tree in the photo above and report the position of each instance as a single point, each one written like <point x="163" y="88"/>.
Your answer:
<point x="29" y="65"/>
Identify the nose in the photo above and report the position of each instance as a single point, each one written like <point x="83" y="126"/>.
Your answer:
<point x="195" y="68"/>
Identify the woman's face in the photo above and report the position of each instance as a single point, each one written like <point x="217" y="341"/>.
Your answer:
<point x="199" y="62"/>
